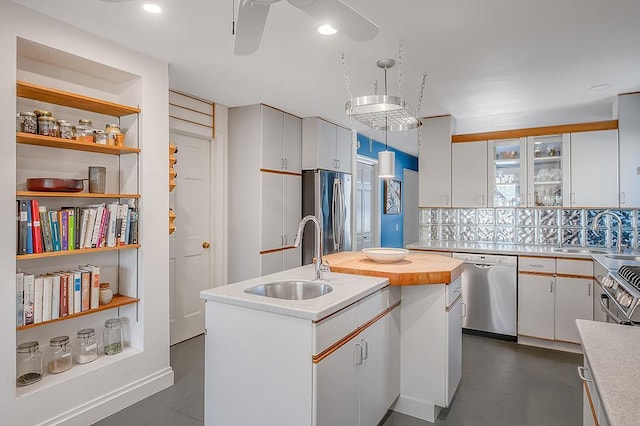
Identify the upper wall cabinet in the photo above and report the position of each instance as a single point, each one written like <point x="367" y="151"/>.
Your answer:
<point x="326" y="146"/>
<point x="629" y="140"/>
<point x="434" y="162"/>
<point x="548" y="170"/>
<point x="594" y="169"/>
<point x="469" y="174"/>
<point x="507" y="172"/>
<point x="281" y="134"/>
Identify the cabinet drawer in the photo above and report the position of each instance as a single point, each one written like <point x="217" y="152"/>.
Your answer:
<point x="583" y="268"/>
<point x="537" y="264"/>
<point x="453" y="290"/>
<point x="332" y="329"/>
<point x="372" y="305"/>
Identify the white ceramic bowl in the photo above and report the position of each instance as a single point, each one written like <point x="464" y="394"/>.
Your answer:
<point x="385" y="255"/>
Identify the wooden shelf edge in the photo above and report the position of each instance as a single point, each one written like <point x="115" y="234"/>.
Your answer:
<point x="52" y="142"/>
<point x="42" y="194"/>
<point x="73" y="252"/>
<point x="73" y="100"/>
<point x="115" y="303"/>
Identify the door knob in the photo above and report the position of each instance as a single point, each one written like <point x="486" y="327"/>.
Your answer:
<point x="206" y="245"/>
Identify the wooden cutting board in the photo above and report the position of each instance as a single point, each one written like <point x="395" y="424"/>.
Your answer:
<point x="415" y="268"/>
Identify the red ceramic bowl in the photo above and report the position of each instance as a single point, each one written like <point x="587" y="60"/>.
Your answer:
<point x="55" y="185"/>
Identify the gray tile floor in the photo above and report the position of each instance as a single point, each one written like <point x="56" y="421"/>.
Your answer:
<point x="503" y="383"/>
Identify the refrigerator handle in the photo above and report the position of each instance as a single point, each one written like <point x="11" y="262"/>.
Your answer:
<point x="340" y="215"/>
<point x="334" y="215"/>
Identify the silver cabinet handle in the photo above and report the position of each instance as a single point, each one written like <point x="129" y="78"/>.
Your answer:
<point x="338" y="163"/>
<point x="482" y="200"/>
<point x="588" y="289"/>
<point x="286" y="164"/>
<point x="623" y="199"/>
<point x="365" y="345"/>
<point x="573" y="198"/>
<point x="358" y="354"/>
<point x="551" y="287"/>
<point x="286" y="240"/>
<point x="535" y="265"/>
<point x="464" y="310"/>
<point x="581" y="371"/>
<point x="445" y="200"/>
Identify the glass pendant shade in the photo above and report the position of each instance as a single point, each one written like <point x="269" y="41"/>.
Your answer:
<point x="386" y="164"/>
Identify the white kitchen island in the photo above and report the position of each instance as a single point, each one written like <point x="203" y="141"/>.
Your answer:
<point x="332" y="360"/>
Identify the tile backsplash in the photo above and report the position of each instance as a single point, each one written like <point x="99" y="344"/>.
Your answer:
<point x="533" y="226"/>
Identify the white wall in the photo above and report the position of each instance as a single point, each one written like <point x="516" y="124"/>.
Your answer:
<point x="83" y="399"/>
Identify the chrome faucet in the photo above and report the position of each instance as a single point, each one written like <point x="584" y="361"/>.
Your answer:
<point x="320" y="266"/>
<point x="594" y="225"/>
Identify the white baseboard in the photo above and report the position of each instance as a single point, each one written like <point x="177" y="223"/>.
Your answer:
<point x="549" y="344"/>
<point x="416" y="408"/>
<point x="115" y="401"/>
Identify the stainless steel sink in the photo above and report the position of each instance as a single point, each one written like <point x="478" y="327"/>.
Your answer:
<point x="623" y="257"/>
<point x="291" y="290"/>
<point x="578" y="250"/>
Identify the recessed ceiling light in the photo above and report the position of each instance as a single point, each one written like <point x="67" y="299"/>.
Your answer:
<point x="600" y="87"/>
<point x="327" y="29"/>
<point x="152" y="8"/>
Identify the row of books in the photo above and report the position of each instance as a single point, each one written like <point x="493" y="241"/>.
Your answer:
<point x="73" y="228"/>
<point x="51" y="296"/>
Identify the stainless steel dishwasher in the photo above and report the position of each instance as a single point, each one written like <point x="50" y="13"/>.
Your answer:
<point x="489" y="292"/>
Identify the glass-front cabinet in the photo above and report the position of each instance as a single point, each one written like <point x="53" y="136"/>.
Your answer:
<point x="530" y="171"/>
<point x="507" y="172"/>
<point x="548" y="167"/>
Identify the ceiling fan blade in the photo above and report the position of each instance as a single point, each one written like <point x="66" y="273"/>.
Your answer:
<point x="249" y="26"/>
<point x="340" y="16"/>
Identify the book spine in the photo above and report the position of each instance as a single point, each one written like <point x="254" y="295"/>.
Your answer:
<point x="37" y="300"/>
<point x="120" y="223"/>
<point x="22" y="246"/>
<point x="95" y="286"/>
<point x="63" y="223"/>
<point x="64" y="294"/>
<point x="70" y="292"/>
<point x="55" y="297"/>
<point x="113" y="220"/>
<point x="104" y="226"/>
<point x="127" y="230"/>
<point x="29" y="229"/>
<point x="29" y="298"/>
<point x="72" y="229"/>
<point x="17" y="226"/>
<point x="55" y="230"/>
<point x="19" y="299"/>
<point x="37" y="235"/>
<point x="77" y="214"/>
<point x="95" y="236"/>
<point x="133" y="239"/>
<point x="77" y="292"/>
<point x="47" y="298"/>
<point x="86" y="291"/>
<point x="46" y="229"/>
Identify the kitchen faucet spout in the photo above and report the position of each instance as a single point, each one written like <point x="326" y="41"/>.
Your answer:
<point x="594" y="225"/>
<point x="320" y="266"/>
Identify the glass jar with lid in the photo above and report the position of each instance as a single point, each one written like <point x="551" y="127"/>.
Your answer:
<point x="100" y="137"/>
<point x="28" y="122"/>
<point x="88" y="129"/>
<point x="28" y="363"/>
<point x="112" y="336"/>
<point x="47" y="126"/>
<point x="59" y="355"/>
<point x="86" y="347"/>
<point x="65" y="130"/>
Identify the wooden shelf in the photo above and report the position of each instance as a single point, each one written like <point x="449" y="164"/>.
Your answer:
<point x="43" y="194"/>
<point x="115" y="303"/>
<point x="68" y="99"/>
<point x="51" y="142"/>
<point x="74" y="252"/>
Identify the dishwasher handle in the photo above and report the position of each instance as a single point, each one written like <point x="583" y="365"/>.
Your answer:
<point x="482" y="265"/>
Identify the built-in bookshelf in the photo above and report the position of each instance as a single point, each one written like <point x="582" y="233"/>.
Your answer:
<point x="74" y="252"/>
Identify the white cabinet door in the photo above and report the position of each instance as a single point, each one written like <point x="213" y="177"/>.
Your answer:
<point x="291" y="258"/>
<point x="434" y="162"/>
<point x="469" y="174"/>
<point x="372" y="373"/>
<point x="271" y="203"/>
<point x="594" y="169"/>
<point x="393" y="371"/>
<point x="454" y="349"/>
<point x="292" y="142"/>
<point x="326" y="145"/>
<point x="292" y="207"/>
<point x="548" y="170"/>
<point x="629" y="135"/>
<point x="271" y="146"/>
<point x="336" y="387"/>
<point x="271" y="263"/>
<point x="536" y="306"/>
<point x="343" y="149"/>
<point x="574" y="300"/>
<point x="507" y="172"/>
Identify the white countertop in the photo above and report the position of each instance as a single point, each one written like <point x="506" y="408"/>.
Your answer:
<point x="347" y="289"/>
<point x="508" y="249"/>
<point x="613" y="352"/>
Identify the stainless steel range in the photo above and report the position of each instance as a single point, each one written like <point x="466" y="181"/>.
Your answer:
<point x="622" y="289"/>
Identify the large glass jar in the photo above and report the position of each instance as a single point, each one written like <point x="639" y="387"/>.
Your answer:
<point x="59" y="355"/>
<point x="65" y="130"/>
<point x="100" y="137"/>
<point x="112" y="336"/>
<point x="86" y="348"/>
<point x="28" y="122"/>
<point x="28" y="364"/>
<point x="47" y="126"/>
<point x="87" y="126"/>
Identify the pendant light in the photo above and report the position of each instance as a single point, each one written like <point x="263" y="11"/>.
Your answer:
<point x="386" y="158"/>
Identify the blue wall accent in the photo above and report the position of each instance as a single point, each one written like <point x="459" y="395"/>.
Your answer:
<point x="389" y="236"/>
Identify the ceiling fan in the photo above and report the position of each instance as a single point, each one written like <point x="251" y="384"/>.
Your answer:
<point x="252" y="16"/>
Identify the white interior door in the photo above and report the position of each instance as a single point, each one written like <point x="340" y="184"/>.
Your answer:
<point x="365" y="185"/>
<point x="410" y="208"/>
<point x="190" y="245"/>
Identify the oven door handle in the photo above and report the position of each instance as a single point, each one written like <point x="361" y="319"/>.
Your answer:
<point x="610" y="314"/>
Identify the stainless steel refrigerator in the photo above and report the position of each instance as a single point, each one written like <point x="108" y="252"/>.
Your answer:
<point x="326" y="195"/>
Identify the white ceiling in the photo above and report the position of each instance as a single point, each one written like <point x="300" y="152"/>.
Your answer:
<point x="492" y="64"/>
